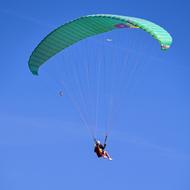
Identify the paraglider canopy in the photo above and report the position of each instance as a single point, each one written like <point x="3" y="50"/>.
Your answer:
<point x="86" y="26"/>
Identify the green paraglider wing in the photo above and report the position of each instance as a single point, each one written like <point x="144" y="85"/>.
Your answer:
<point x="86" y="26"/>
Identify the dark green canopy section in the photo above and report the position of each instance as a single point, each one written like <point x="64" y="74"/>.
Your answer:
<point x="86" y="26"/>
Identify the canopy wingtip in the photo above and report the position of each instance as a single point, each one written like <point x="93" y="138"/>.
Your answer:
<point x="165" y="47"/>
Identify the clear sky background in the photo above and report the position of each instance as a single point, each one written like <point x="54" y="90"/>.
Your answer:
<point x="43" y="144"/>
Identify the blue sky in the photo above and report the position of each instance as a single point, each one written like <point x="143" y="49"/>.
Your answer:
<point x="43" y="144"/>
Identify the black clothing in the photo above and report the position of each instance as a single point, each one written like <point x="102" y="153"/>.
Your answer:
<point x="102" y="147"/>
<point x="99" y="148"/>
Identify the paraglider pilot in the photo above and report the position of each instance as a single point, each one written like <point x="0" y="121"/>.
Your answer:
<point x="99" y="149"/>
